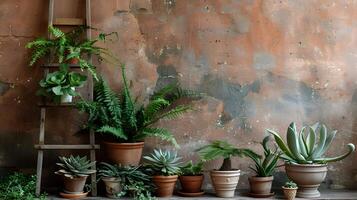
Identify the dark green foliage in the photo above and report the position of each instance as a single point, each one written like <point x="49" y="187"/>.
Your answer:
<point x="222" y="149"/>
<point x="61" y="82"/>
<point x="75" y="166"/>
<point x="19" y="186"/>
<point x="134" y="181"/>
<point x="67" y="46"/>
<point x="125" y="120"/>
<point x="191" y="169"/>
<point x="265" y="167"/>
<point x="164" y="163"/>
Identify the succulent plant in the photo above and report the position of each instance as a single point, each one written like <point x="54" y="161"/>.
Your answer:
<point x="290" y="184"/>
<point x="306" y="147"/>
<point x="75" y="166"/>
<point x="164" y="163"/>
<point x="265" y="167"/>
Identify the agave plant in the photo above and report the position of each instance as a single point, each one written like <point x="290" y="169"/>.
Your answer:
<point x="125" y="120"/>
<point x="265" y="167"/>
<point x="306" y="147"/>
<point x="224" y="150"/>
<point x="164" y="163"/>
<point x="73" y="167"/>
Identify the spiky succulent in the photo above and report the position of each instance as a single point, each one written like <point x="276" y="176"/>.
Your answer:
<point x="75" y="166"/>
<point x="163" y="162"/>
<point x="222" y="149"/>
<point x="290" y="184"/>
<point x="306" y="147"/>
<point x="265" y="167"/>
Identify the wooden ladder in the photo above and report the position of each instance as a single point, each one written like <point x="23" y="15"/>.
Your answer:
<point x="41" y="147"/>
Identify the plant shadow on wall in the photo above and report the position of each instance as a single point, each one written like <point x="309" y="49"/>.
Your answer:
<point x="125" y="123"/>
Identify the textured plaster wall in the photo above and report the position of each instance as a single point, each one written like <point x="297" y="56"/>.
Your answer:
<point x="262" y="64"/>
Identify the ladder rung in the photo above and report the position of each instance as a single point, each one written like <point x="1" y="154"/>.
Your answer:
<point x="66" y="146"/>
<point x="56" y="65"/>
<point x="68" y="21"/>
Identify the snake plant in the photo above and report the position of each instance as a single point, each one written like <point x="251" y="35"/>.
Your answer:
<point x="306" y="147"/>
<point x="265" y="167"/>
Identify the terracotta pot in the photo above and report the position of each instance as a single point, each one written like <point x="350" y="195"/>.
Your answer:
<point x="74" y="185"/>
<point x="260" y="185"/>
<point x="124" y="153"/>
<point x="112" y="186"/>
<point x="289" y="193"/>
<point x="225" y="182"/>
<point x="191" y="184"/>
<point x="307" y="177"/>
<point x="165" y="185"/>
<point x="73" y="61"/>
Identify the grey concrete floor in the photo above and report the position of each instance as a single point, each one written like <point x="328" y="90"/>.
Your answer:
<point x="328" y="194"/>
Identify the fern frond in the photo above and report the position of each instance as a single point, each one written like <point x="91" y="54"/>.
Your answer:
<point x="56" y="32"/>
<point x="128" y="105"/>
<point x="117" y="132"/>
<point x="170" y="114"/>
<point x="161" y="133"/>
<point x="154" y="107"/>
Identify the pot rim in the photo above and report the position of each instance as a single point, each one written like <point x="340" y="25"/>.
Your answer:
<point x="124" y="143"/>
<point x="164" y="177"/>
<point x="111" y="178"/>
<point x="306" y="165"/>
<point x="219" y="171"/>
<point x="198" y="175"/>
<point x="260" y="178"/>
<point x="285" y="188"/>
<point x="76" y="177"/>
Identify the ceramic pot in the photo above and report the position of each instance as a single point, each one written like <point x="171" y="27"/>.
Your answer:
<point x="112" y="186"/>
<point x="165" y="185"/>
<point x="289" y="193"/>
<point x="66" y="98"/>
<point x="191" y="184"/>
<point x="74" y="185"/>
<point x="124" y="153"/>
<point x="308" y="177"/>
<point x="225" y="182"/>
<point x="260" y="185"/>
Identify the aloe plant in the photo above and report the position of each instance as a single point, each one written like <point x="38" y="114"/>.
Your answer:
<point x="306" y="147"/>
<point x="72" y="167"/>
<point x="265" y="167"/>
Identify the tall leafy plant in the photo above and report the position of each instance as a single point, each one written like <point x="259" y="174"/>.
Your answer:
<point x="124" y="120"/>
<point x="308" y="145"/>
<point x="222" y="149"/>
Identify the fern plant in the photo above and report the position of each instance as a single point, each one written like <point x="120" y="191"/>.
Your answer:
<point x="67" y="46"/>
<point x="222" y="149"/>
<point x="124" y="120"/>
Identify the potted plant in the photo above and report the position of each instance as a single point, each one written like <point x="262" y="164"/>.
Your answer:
<point x="191" y="179"/>
<point x="260" y="185"/>
<point x="125" y="123"/>
<point x="125" y="180"/>
<point x="305" y="163"/>
<point x="165" y="166"/>
<point x="75" y="171"/>
<point x="60" y="85"/>
<point x="225" y="179"/>
<point x="69" y="48"/>
<point x="289" y="190"/>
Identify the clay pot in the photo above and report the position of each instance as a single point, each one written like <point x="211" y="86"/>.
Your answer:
<point x="74" y="185"/>
<point x="289" y="193"/>
<point x="191" y="184"/>
<point x="112" y="186"/>
<point x="260" y="185"/>
<point x="124" y="153"/>
<point x="165" y="185"/>
<point x="308" y="177"/>
<point x="225" y="182"/>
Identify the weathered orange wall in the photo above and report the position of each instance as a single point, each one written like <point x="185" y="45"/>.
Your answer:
<point x="262" y="64"/>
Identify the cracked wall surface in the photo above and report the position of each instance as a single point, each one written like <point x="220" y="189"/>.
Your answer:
<point x="262" y="64"/>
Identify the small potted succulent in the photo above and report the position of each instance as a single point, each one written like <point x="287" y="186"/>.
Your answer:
<point x="289" y="190"/>
<point x="125" y="181"/>
<point x="165" y="166"/>
<point x="305" y="162"/>
<point x="60" y="85"/>
<point x="260" y="185"/>
<point x="125" y="123"/>
<point x="75" y="171"/>
<point x="191" y="179"/>
<point x="226" y="178"/>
